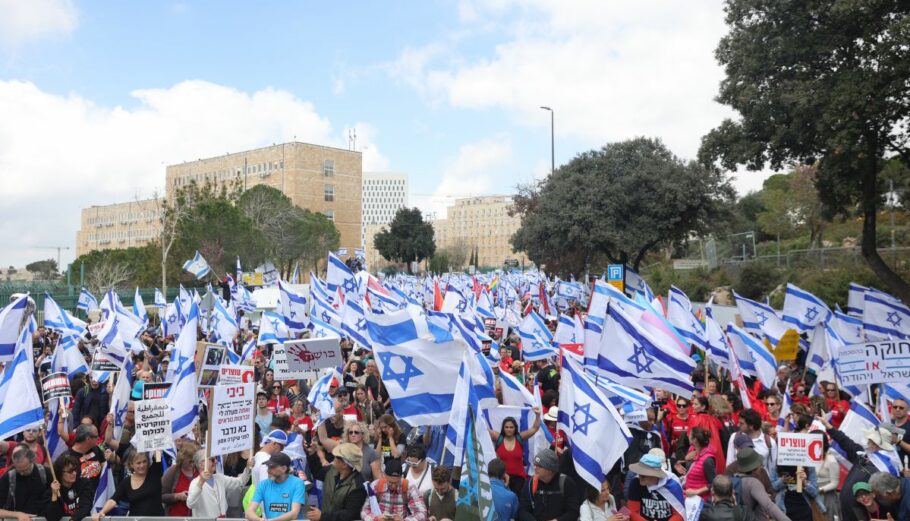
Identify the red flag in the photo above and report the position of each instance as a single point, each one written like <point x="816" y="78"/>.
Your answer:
<point x="437" y="296"/>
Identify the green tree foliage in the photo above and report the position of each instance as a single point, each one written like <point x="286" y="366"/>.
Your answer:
<point x="128" y="267"/>
<point x="623" y="200"/>
<point x="819" y="82"/>
<point x="46" y="268"/>
<point x="408" y="238"/>
<point x="439" y="262"/>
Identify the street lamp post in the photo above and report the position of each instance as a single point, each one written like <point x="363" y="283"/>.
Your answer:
<point x="552" y="141"/>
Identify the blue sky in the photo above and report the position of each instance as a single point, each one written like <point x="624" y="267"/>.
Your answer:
<point x="99" y="96"/>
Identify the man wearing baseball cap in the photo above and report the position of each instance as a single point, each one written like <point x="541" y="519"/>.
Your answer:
<point x="273" y="443"/>
<point x="548" y="494"/>
<point x="282" y="495"/>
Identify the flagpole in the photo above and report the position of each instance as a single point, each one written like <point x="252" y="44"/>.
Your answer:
<point x="208" y="434"/>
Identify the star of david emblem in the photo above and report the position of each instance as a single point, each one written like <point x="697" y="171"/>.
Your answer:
<point x="407" y="372"/>
<point x="349" y="285"/>
<point x="762" y="318"/>
<point x="640" y="359"/>
<point x="293" y="313"/>
<point x="320" y="333"/>
<point x="172" y="319"/>
<point x="275" y="323"/>
<point x="361" y="324"/>
<point x="462" y="305"/>
<point x="120" y="416"/>
<point x="586" y="418"/>
<point x="326" y="317"/>
<point x="859" y="332"/>
<point x="894" y="319"/>
<point x="215" y="321"/>
<point x="811" y="313"/>
<point x="538" y="345"/>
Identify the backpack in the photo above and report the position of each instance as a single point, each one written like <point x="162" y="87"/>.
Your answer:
<point x="11" y="495"/>
<point x="380" y="487"/>
<point x="535" y="481"/>
<point x="742" y="511"/>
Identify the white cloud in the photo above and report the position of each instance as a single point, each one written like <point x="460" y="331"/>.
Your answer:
<point x="60" y="154"/>
<point x="610" y="70"/>
<point x="22" y="21"/>
<point x="469" y="173"/>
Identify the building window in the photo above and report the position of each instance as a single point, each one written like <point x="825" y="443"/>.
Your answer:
<point x="329" y="214"/>
<point x="328" y="167"/>
<point x="329" y="193"/>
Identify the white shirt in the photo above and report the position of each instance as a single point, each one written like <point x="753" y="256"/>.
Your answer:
<point x="260" y="470"/>
<point x="769" y="455"/>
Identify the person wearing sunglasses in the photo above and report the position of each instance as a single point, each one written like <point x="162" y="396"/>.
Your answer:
<point x="278" y="399"/>
<point x="71" y="495"/>
<point x="834" y="403"/>
<point x="419" y="470"/>
<point x="899" y="419"/>
<point x="355" y="433"/>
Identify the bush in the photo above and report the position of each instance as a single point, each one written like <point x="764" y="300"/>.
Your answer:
<point x="757" y="279"/>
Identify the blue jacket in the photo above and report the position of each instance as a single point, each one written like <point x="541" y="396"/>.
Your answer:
<point x="505" y="502"/>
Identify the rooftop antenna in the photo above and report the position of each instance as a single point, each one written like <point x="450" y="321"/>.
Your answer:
<point x="352" y="139"/>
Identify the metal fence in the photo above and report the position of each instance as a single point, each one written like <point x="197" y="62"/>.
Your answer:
<point x="68" y="296"/>
<point x="897" y="258"/>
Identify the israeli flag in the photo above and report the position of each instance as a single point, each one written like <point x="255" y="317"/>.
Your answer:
<point x="760" y="319"/>
<point x="354" y="323"/>
<point x="318" y="288"/>
<point x="319" y="397"/>
<point x="418" y="364"/>
<point x="120" y="401"/>
<point x="139" y="307"/>
<point x="566" y="332"/>
<point x="322" y="310"/>
<point x="182" y="394"/>
<point x="338" y="275"/>
<point x="55" y="445"/>
<point x="160" y="301"/>
<point x="590" y="419"/>
<point x="111" y="343"/>
<point x="485" y="305"/>
<point x="20" y="405"/>
<point x="762" y="358"/>
<point x="272" y="329"/>
<point x="455" y="301"/>
<point x="197" y="267"/>
<point x="804" y="310"/>
<point x="621" y="396"/>
<point x="322" y="329"/>
<point x="223" y="324"/>
<point x="898" y="392"/>
<point x="848" y="327"/>
<point x="244" y="299"/>
<point x="568" y="290"/>
<point x="10" y="320"/>
<point x="885" y="318"/>
<point x="170" y="321"/>
<point x="59" y="319"/>
<point x="740" y="346"/>
<point x="714" y="336"/>
<point x="86" y="301"/>
<point x="637" y="283"/>
<point x="295" y="277"/>
<point x="681" y="317"/>
<point x="67" y="357"/>
<point x="105" y="490"/>
<point x="247" y="352"/>
<point x="536" y="339"/>
<point x="129" y="327"/>
<point x="293" y="307"/>
<point x="856" y="297"/>
<point x="632" y="356"/>
<point x="466" y="400"/>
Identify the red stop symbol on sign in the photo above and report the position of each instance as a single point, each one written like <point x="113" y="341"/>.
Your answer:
<point x="816" y="449"/>
<point x="247" y="377"/>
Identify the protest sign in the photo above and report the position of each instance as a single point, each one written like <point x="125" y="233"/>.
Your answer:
<point x="874" y="363"/>
<point x="153" y="426"/>
<point x="94" y="328"/>
<point x="55" y="385"/>
<point x="797" y="450"/>
<point x="788" y="346"/>
<point x="154" y="391"/>
<point x="101" y="364"/>
<point x="231" y="418"/>
<point x="236" y="374"/>
<point x="302" y="359"/>
<point x="694" y="506"/>
<point x="211" y="365"/>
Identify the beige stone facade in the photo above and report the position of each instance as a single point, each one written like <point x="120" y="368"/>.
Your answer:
<point x="118" y="226"/>
<point x="483" y="223"/>
<point x="319" y="178"/>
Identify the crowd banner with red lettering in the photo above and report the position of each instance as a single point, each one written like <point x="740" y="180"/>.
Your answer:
<point x="155" y="391"/>
<point x="232" y="414"/>
<point x="302" y="359"/>
<point x="55" y="385"/>
<point x="887" y="361"/>
<point x="236" y="374"/>
<point x="795" y="449"/>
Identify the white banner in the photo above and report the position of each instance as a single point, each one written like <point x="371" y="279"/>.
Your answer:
<point x="302" y="359"/>
<point x="874" y="363"/>
<point x="236" y="375"/>
<point x="800" y="450"/>
<point x="153" y="426"/>
<point x="233" y="411"/>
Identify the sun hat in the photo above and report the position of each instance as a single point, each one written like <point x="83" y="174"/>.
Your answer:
<point x="350" y="454"/>
<point x="879" y="436"/>
<point x="747" y="460"/>
<point x="552" y="414"/>
<point x="649" y="465"/>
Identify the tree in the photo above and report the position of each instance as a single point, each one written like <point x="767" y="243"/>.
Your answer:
<point x="823" y="84"/>
<point x="621" y="201"/>
<point x="141" y="264"/>
<point x="46" y="268"/>
<point x="107" y="274"/>
<point x="408" y="238"/>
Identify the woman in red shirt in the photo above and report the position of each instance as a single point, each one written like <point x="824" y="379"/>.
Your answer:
<point x="509" y="449"/>
<point x="175" y="483"/>
<point x="278" y="400"/>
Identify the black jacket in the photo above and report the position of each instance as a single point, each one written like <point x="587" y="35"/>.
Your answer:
<point x="548" y="502"/>
<point x="723" y="510"/>
<point x="342" y="500"/>
<point x="75" y="503"/>
<point x="91" y="402"/>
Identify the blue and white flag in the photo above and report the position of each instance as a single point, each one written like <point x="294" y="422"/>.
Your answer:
<point x="621" y="396"/>
<point x="59" y="319"/>
<point x="338" y="275"/>
<point x="10" y="320"/>
<point x="295" y="277"/>
<point x="803" y="310"/>
<point x="681" y="317"/>
<point x="637" y="283"/>
<point x="322" y="329"/>
<point x="848" y="327"/>
<point x="354" y="323"/>
<point x="293" y="307"/>
<point x="20" y="405"/>
<point x="418" y="364"/>
<point x="762" y="358"/>
<point x="859" y="419"/>
<point x="885" y="317"/>
<point x="87" y="301"/>
<point x="197" y="267"/>
<point x="536" y="339"/>
<point x="160" y="301"/>
<point x="139" y="307"/>
<point x="67" y="357"/>
<point x="272" y="329"/>
<point x="120" y="401"/>
<point x="760" y="319"/>
<point x="129" y="327"/>
<point x="632" y="356"/>
<point x="319" y="397"/>
<point x="243" y="299"/>
<point x="856" y="296"/>
<point x="569" y="330"/>
<point x="170" y="321"/>
<point x="670" y="489"/>
<point x="55" y="444"/>
<point x="182" y="394"/>
<point x="740" y="343"/>
<point x="222" y="324"/>
<point x="105" y="490"/>
<point x="239" y="272"/>
<point x="466" y="400"/>
<point x="714" y="336"/>
<point x="589" y="419"/>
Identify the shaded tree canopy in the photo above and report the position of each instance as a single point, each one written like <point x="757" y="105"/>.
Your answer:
<point x="408" y="238"/>
<point x="621" y="201"/>
<point x="824" y="83"/>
